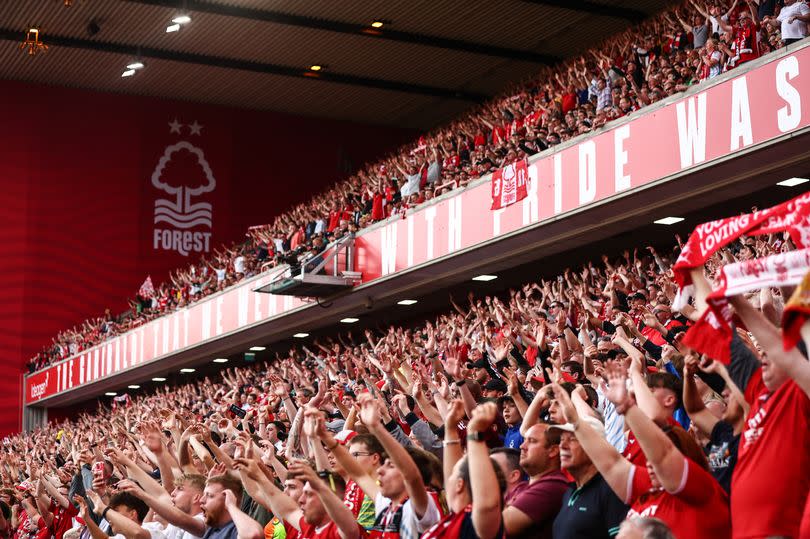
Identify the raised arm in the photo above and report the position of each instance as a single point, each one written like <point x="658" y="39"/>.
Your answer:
<point x="610" y="463"/>
<point x="338" y="513"/>
<point x="665" y="458"/>
<point x="370" y="415"/>
<point x="246" y="527"/>
<point x="770" y="339"/>
<point x="486" y="496"/>
<point x="701" y="417"/>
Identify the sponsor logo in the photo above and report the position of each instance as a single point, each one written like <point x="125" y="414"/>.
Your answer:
<point x="38" y="390"/>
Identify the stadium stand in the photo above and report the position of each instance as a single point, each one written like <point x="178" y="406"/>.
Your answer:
<point x="663" y="393"/>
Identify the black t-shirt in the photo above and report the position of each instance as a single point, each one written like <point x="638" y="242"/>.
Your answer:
<point x="722" y="453"/>
<point x="590" y="512"/>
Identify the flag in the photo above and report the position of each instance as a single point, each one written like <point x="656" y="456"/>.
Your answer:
<point x="510" y="184"/>
<point x="147" y="289"/>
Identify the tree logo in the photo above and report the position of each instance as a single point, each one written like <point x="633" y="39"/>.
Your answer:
<point x="183" y="173"/>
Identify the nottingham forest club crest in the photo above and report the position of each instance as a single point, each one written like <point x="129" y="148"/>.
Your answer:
<point x="182" y="221"/>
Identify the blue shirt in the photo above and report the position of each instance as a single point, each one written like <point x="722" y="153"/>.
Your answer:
<point x="513" y="438"/>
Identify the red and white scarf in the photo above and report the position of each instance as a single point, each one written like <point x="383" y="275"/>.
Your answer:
<point x="713" y="332"/>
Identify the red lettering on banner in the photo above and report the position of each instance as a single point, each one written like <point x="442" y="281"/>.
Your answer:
<point x="662" y="142"/>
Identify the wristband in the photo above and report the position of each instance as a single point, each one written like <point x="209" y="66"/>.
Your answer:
<point x="104" y="514"/>
<point x="461" y="382"/>
<point x="445" y="443"/>
<point x="475" y="436"/>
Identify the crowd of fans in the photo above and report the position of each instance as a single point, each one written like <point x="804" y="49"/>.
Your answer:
<point x="663" y="56"/>
<point x="566" y="408"/>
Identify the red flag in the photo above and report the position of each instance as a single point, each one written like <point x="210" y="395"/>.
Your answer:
<point x="510" y="184"/>
<point x="147" y="289"/>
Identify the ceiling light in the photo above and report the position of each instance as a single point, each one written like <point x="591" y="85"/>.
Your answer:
<point x="315" y="67"/>
<point x="792" y="182"/>
<point x="406" y="302"/>
<point x="257" y="348"/>
<point x="172" y="28"/>
<point x="158" y="379"/>
<point x="181" y="19"/>
<point x="377" y="24"/>
<point x="187" y="370"/>
<point x="485" y="278"/>
<point x="221" y="360"/>
<point x="111" y="393"/>
<point x="32" y="42"/>
<point x="128" y="73"/>
<point x="668" y="220"/>
<point x="134" y="386"/>
<point x="301" y="335"/>
<point x="135" y="65"/>
<point x="349" y="320"/>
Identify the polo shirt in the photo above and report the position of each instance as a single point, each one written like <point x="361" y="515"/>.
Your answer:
<point x="592" y="511"/>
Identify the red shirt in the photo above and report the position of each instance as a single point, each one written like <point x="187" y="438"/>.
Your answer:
<point x="62" y="518"/>
<point x="632" y="451"/>
<point x="772" y="477"/>
<point x="698" y="509"/>
<point x="330" y="531"/>
<point x="569" y="102"/>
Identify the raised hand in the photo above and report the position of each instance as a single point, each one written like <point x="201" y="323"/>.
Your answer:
<point x="455" y="413"/>
<point x="483" y="416"/>
<point x="617" y="391"/>
<point x="567" y="407"/>
<point x="369" y="411"/>
<point x="314" y="423"/>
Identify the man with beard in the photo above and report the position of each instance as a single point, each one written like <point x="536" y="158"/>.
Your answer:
<point x="223" y="518"/>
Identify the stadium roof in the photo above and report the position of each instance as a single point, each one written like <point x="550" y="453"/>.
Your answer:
<point x="428" y="62"/>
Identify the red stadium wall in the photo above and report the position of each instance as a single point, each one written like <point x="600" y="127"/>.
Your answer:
<point x="82" y="175"/>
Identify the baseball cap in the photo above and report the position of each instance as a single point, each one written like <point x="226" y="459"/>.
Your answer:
<point x="495" y="385"/>
<point x="336" y="425"/>
<point x="345" y="436"/>
<point x="592" y="421"/>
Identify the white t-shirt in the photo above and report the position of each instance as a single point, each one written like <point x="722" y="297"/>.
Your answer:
<point x="175" y="532"/>
<point x="151" y="527"/>
<point x="239" y="264"/>
<point x="798" y="29"/>
<point x="410" y="527"/>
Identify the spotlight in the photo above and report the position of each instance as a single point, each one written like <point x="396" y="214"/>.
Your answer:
<point x="172" y="28"/>
<point x="377" y="24"/>
<point x="668" y="220"/>
<point x="32" y="42"/>
<point x="181" y="19"/>
<point x="137" y="64"/>
<point x="128" y="73"/>
<point x="315" y="67"/>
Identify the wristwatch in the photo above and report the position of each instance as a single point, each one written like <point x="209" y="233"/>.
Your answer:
<point x="475" y="436"/>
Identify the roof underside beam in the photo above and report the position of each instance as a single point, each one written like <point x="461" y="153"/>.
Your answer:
<point x="349" y="28"/>
<point x="594" y="8"/>
<point x="246" y="65"/>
